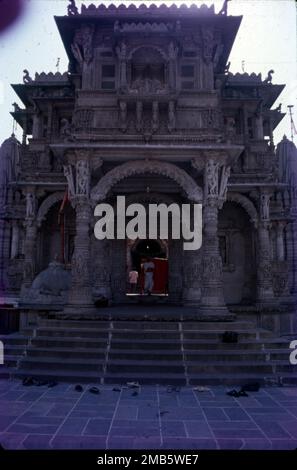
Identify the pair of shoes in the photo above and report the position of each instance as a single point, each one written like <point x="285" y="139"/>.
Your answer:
<point x="236" y="394"/>
<point x="52" y="384"/>
<point x="28" y="382"/>
<point x="171" y="389"/>
<point x="133" y="385"/>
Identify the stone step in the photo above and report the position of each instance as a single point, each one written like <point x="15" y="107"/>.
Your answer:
<point x="153" y="378"/>
<point x="151" y="344"/>
<point x="157" y="354"/>
<point x="144" y="325"/>
<point x="17" y="339"/>
<point x="54" y="363"/>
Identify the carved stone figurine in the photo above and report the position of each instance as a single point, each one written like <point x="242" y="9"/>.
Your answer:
<point x="123" y="115"/>
<point x="82" y="177"/>
<point x="212" y="177"/>
<point x="69" y="177"/>
<point x="268" y="79"/>
<point x="30" y="207"/>
<point x="16" y="107"/>
<point x="26" y="77"/>
<point x="171" y="116"/>
<point x="224" y="9"/>
<point x="155" y="116"/>
<point x="65" y="129"/>
<point x="265" y="201"/>
<point x="72" y="8"/>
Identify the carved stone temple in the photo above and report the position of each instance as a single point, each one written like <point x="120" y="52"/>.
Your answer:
<point x="148" y="109"/>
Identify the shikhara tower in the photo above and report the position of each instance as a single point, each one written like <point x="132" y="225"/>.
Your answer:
<point x="148" y="109"/>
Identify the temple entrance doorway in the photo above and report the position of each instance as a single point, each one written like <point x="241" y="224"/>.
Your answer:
<point x="147" y="268"/>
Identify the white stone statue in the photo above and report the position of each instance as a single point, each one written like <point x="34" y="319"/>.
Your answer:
<point x="30" y="205"/>
<point x="224" y="181"/>
<point x="82" y="177"/>
<point x="69" y="176"/>
<point x="212" y="169"/>
<point x="264" y="206"/>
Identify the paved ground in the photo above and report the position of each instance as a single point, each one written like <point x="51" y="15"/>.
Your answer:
<point x="43" y="418"/>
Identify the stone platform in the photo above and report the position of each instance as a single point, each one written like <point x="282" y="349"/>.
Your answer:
<point x="144" y="347"/>
<point x="61" y="418"/>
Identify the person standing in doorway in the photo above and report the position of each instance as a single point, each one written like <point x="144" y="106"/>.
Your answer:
<point x="148" y="268"/>
<point x="133" y="280"/>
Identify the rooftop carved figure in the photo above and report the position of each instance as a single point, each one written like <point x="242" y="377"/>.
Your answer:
<point x="224" y="9"/>
<point x="72" y="8"/>
<point x="268" y="79"/>
<point x="26" y="77"/>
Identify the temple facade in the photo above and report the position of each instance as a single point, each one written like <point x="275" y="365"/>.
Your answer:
<point x="148" y="109"/>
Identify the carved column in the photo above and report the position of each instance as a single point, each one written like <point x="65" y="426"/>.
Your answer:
<point x="80" y="293"/>
<point x="30" y="239"/>
<point x="14" y="239"/>
<point x="280" y="247"/>
<point x="215" y="183"/>
<point x="264" y="271"/>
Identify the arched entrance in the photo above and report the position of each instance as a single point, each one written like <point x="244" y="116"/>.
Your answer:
<point x="155" y="251"/>
<point x="143" y="182"/>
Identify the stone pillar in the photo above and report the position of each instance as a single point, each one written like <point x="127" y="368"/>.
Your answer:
<point x="30" y="248"/>
<point x="78" y="179"/>
<point x="280" y="248"/>
<point x="264" y="267"/>
<point x="215" y="183"/>
<point x="80" y="292"/>
<point x="14" y="240"/>
<point x="30" y="252"/>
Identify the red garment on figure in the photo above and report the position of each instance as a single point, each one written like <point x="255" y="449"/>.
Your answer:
<point x="160" y="276"/>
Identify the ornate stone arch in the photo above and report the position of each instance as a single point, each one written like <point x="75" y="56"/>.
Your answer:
<point x="247" y="205"/>
<point x="47" y="204"/>
<point x="185" y="181"/>
<point x="147" y="46"/>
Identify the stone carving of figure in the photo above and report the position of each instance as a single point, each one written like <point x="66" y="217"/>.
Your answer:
<point x="224" y="181"/>
<point x="172" y="55"/>
<point x="65" y="129"/>
<point x="224" y="9"/>
<point x="16" y="107"/>
<point x="230" y="128"/>
<point x="121" y="51"/>
<point x="139" y="116"/>
<point x="177" y="26"/>
<point x="268" y="79"/>
<point x="207" y="35"/>
<point x="155" y="116"/>
<point x="26" y="77"/>
<point x="69" y="176"/>
<point x="212" y="169"/>
<point x="82" y="45"/>
<point x="116" y="26"/>
<point x="30" y="205"/>
<point x="72" y="8"/>
<point x="82" y="177"/>
<point x="171" y="116"/>
<point x="264" y="206"/>
<point x="123" y="115"/>
<point x="226" y="71"/>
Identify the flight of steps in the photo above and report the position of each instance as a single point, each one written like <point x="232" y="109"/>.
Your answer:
<point x="172" y="352"/>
